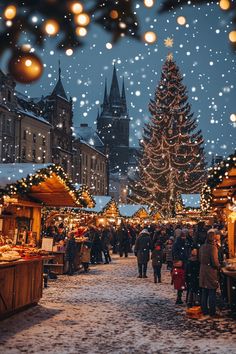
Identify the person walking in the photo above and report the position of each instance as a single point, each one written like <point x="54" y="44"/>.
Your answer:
<point x="105" y="243"/>
<point x="70" y="253"/>
<point x="157" y="260"/>
<point x="168" y="253"/>
<point x="192" y="279"/>
<point x="209" y="267"/>
<point x="123" y="240"/>
<point x="142" y="249"/>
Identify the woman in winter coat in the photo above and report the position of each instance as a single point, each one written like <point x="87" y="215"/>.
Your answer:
<point x="209" y="267"/>
<point x="180" y="257"/>
<point x="157" y="260"/>
<point x="142" y="248"/>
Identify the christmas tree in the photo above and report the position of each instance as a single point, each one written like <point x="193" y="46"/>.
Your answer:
<point x="171" y="157"/>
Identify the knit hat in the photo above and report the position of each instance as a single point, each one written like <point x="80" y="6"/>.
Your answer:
<point x="144" y="231"/>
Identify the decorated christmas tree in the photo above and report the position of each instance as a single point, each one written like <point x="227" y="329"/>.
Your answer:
<point x="171" y="158"/>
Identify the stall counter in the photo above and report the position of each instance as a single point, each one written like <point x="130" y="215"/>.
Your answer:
<point x="21" y="284"/>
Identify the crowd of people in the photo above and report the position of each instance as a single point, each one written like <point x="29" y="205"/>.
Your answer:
<point x="193" y="254"/>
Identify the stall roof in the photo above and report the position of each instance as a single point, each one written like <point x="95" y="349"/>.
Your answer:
<point x="191" y="200"/>
<point x="44" y="183"/>
<point x="104" y="204"/>
<point x="132" y="210"/>
<point x="221" y="184"/>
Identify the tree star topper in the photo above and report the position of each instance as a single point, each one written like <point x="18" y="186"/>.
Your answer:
<point x="169" y="42"/>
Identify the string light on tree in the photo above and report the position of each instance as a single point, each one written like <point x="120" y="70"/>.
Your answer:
<point x="10" y="12"/>
<point x="181" y="20"/>
<point x="233" y="118"/>
<point x="81" y="31"/>
<point x="150" y="37"/>
<point x="51" y="27"/>
<point x="224" y="4"/>
<point x="232" y="36"/>
<point x="69" y="52"/>
<point x="83" y="19"/>
<point x="148" y="3"/>
<point x="76" y="8"/>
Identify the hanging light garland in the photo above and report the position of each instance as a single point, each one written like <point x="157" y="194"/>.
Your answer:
<point x="24" y="185"/>
<point x="216" y="175"/>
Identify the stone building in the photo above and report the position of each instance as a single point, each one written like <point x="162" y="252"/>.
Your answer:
<point x="57" y="109"/>
<point x="90" y="163"/>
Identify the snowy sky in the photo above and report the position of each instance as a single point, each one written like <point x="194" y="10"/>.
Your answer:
<point x="201" y="50"/>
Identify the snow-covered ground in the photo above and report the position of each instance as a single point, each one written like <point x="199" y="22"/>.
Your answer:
<point x="109" y="310"/>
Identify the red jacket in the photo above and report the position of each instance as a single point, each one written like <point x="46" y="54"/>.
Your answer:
<point x="178" y="277"/>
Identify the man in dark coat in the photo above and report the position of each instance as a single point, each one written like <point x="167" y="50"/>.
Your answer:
<point x="142" y="248"/>
<point x="209" y="266"/>
<point x="123" y="240"/>
<point x="70" y="252"/>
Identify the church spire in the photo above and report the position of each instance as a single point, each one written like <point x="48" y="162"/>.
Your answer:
<point x="105" y="103"/>
<point x="114" y="92"/>
<point x="123" y="96"/>
<point x="59" y="89"/>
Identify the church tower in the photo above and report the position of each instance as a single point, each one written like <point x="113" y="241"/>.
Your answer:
<point x="113" y="125"/>
<point x="58" y="110"/>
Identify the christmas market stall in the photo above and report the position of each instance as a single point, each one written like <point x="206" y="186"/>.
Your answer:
<point x="104" y="212"/>
<point x="219" y="197"/>
<point x="60" y="222"/>
<point x="24" y="189"/>
<point x="188" y="207"/>
<point x="137" y="213"/>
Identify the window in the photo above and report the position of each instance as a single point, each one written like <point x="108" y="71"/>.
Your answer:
<point x="9" y="96"/>
<point x="34" y="138"/>
<point x="43" y="141"/>
<point x="43" y="158"/>
<point x="34" y="155"/>
<point x="23" y="153"/>
<point x="24" y="134"/>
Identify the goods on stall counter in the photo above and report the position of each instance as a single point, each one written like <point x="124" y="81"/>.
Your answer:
<point x="4" y="240"/>
<point x="231" y="265"/>
<point x="81" y="239"/>
<point x="8" y="255"/>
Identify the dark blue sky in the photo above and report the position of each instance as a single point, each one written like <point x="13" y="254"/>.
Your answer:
<point x="201" y="50"/>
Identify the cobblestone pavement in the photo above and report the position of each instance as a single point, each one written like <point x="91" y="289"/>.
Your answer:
<point x="109" y="310"/>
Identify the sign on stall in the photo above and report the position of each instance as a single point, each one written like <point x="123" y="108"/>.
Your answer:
<point x="47" y="244"/>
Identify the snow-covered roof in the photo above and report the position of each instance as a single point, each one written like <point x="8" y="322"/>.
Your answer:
<point x="129" y="210"/>
<point x="191" y="200"/>
<point x="101" y="202"/>
<point x="88" y="135"/>
<point x="11" y="173"/>
<point x="33" y="115"/>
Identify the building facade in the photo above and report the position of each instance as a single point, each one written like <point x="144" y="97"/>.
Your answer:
<point x="90" y="163"/>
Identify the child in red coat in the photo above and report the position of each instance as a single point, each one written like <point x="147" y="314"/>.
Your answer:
<point x="178" y="279"/>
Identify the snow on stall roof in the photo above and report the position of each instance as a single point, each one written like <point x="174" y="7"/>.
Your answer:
<point x="101" y="202"/>
<point x="13" y="172"/>
<point x="191" y="200"/>
<point x="128" y="210"/>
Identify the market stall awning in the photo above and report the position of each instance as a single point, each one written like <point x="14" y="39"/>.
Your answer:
<point x="220" y="188"/>
<point x="134" y="211"/>
<point x="104" y="206"/>
<point x="44" y="183"/>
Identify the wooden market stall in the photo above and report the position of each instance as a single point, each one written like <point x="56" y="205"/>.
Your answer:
<point x="24" y="189"/>
<point x="137" y="212"/>
<point x="104" y="212"/>
<point x="219" y="196"/>
<point x="188" y="207"/>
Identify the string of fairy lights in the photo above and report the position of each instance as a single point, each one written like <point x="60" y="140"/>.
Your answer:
<point x="216" y="175"/>
<point x="70" y="23"/>
<point x="24" y="185"/>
